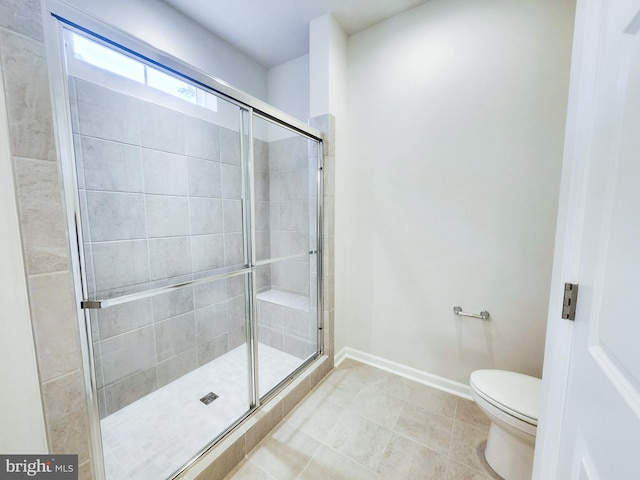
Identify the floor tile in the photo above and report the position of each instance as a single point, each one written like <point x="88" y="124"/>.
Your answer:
<point x="468" y="411"/>
<point x="340" y="388"/>
<point x="285" y="452"/>
<point x="380" y="407"/>
<point x="467" y="445"/>
<point x="429" y="429"/>
<point x="248" y="470"/>
<point x="316" y="417"/>
<point x="458" y="471"/>
<point x="331" y="465"/>
<point x="433" y="400"/>
<point x="385" y="382"/>
<point x="367" y="424"/>
<point x="359" y="439"/>
<point x="405" y="459"/>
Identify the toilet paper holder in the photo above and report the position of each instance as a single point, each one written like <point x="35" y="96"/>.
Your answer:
<point x="484" y="315"/>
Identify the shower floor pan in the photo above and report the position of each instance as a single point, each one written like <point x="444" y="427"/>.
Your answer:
<point x="154" y="436"/>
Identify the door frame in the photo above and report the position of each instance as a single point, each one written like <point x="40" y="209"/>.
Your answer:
<point x="589" y="25"/>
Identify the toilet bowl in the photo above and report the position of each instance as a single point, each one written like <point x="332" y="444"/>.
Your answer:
<point x="510" y="400"/>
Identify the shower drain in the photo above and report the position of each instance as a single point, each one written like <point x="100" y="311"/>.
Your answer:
<point x="208" y="398"/>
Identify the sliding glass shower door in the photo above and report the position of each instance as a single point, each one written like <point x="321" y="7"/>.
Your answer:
<point x="198" y="253"/>
<point x="286" y="185"/>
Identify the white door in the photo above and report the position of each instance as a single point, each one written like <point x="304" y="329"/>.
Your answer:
<point x="590" y="419"/>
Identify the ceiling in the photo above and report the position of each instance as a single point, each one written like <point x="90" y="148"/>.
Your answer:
<point x="276" y="31"/>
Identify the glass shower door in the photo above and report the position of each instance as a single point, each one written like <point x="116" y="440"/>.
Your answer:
<point x="161" y="188"/>
<point x="285" y="172"/>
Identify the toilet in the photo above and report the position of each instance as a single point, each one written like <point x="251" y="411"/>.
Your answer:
<point x="510" y="400"/>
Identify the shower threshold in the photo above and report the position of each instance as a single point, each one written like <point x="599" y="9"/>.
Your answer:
<point x="156" y="435"/>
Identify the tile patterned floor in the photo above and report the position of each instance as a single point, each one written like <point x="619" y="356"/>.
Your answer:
<point x="154" y="436"/>
<point x="362" y="423"/>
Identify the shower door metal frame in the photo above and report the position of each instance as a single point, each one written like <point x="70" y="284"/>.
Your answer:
<point x="58" y="16"/>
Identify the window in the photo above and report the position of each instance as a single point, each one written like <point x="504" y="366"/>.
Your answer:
<point x="105" y="58"/>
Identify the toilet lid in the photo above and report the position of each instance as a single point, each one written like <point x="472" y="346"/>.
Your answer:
<point x="512" y="392"/>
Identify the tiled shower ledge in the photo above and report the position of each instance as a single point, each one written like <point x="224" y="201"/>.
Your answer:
<point x="156" y="435"/>
<point x="299" y="302"/>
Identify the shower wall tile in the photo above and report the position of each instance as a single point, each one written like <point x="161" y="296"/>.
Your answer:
<point x="232" y="216"/>
<point x="161" y="128"/>
<point x="298" y="347"/>
<point x="291" y="276"/>
<point x="55" y="335"/>
<point x="329" y="216"/>
<point x="237" y="337"/>
<point x="211" y="322"/>
<point x="236" y="285"/>
<point x="271" y="337"/>
<point x="285" y="243"/>
<point x="263" y="273"/>
<point x="84" y="215"/>
<point x="260" y="155"/>
<point x="169" y="257"/>
<point x="261" y="179"/>
<point x="211" y="292"/>
<point x="167" y="216"/>
<point x="130" y="389"/>
<point x="102" y="403"/>
<point x="291" y="153"/>
<point x="116" y="216"/>
<point x="17" y="15"/>
<point x="174" y="303"/>
<point x="294" y="216"/>
<point x="263" y="245"/>
<point x="174" y="336"/>
<point x="77" y="155"/>
<point x="329" y="171"/>
<point x="111" y="166"/>
<point x="207" y="252"/>
<point x="263" y="216"/>
<point x="233" y="249"/>
<point x="229" y="146"/>
<point x="107" y="114"/>
<point x="126" y="354"/>
<point x="202" y="139"/>
<point x="293" y="185"/>
<point x="236" y="309"/>
<point x="27" y="96"/>
<point x="213" y="349"/>
<point x="300" y="323"/>
<point x="270" y="315"/>
<point x="66" y="415"/>
<point x="177" y="366"/>
<point x="123" y="318"/>
<point x="164" y="173"/>
<point x="41" y="215"/>
<point x="205" y="178"/>
<point x="97" y="359"/>
<point x="120" y="264"/>
<point x="205" y="215"/>
<point x="231" y="181"/>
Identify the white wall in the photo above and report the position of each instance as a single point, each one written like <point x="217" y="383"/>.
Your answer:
<point x="165" y="28"/>
<point x="288" y="87"/>
<point x="448" y="193"/>
<point x="21" y="417"/>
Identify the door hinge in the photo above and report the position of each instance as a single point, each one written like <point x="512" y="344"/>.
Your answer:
<point x="569" y="301"/>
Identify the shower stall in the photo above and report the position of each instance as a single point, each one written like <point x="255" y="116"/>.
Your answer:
<point x="198" y="228"/>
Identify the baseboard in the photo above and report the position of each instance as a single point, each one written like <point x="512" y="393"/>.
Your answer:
<point x="441" y="383"/>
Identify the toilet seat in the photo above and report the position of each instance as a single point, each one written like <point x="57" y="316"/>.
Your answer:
<point x="513" y="393"/>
